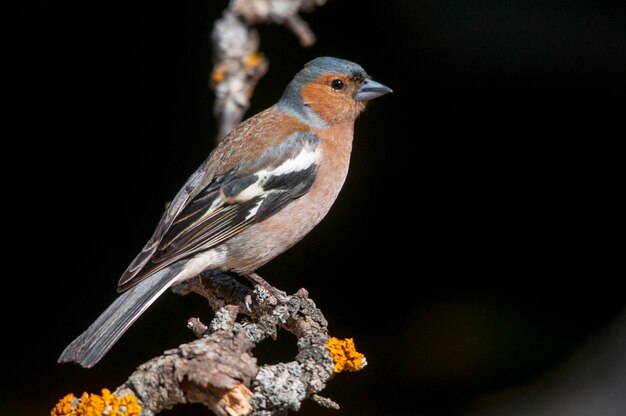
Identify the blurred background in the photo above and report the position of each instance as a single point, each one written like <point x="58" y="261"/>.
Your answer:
<point x="473" y="254"/>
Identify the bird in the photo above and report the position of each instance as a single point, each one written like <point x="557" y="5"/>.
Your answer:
<point x="262" y="189"/>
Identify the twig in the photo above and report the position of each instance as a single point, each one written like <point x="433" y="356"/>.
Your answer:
<point x="238" y="64"/>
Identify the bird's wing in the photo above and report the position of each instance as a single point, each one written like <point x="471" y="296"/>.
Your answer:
<point x="202" y="217"/>
<point x="198" y="181"/>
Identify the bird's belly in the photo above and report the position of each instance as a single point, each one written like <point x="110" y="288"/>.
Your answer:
<point x="267" y="239"/>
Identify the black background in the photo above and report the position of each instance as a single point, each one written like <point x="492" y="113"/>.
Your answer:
<point x="475" y="246"/>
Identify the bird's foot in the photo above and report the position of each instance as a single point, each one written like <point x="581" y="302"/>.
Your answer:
<point x="281" y="297"/>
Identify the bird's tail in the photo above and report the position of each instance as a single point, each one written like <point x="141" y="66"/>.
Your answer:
<point x="97" y="340"/>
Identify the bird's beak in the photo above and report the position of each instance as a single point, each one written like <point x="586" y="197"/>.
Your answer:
<point x="371" y="89"/>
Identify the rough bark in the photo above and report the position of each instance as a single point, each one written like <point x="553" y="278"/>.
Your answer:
<point x="218" y="369"/>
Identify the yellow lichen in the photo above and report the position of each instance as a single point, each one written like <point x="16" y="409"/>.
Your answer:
<point x="97" y="405"/>
<point x="345" y="355"/>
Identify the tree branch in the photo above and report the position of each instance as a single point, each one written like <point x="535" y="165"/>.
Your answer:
<point x="219" y="371"/>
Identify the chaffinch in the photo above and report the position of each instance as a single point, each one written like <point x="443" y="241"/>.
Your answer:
<point x="260" y="191"/>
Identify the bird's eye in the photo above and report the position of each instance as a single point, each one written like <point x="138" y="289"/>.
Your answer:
<point x="336" y="84"/>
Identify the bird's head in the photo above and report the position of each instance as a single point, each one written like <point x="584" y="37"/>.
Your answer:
<point x="330" y="90"/>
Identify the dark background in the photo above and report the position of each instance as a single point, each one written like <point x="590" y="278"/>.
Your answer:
<point x="475" y="247"/>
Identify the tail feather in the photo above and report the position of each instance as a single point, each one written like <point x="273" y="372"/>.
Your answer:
<point x="97" y="340"/>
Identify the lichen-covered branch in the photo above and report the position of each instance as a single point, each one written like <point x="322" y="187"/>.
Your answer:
<point x="213" y="370"/>
<point x="238" y="63"/>
<point x="218" y="369"/>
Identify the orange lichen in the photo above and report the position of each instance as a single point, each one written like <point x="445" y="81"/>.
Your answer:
<point x="97" y="405"/>
<point x="218" y="74"/>
<point x="250" y="62"/>
<point x="253" y="59"/>
<point x="345" y="355"/>
<point x="64" y="406"/>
